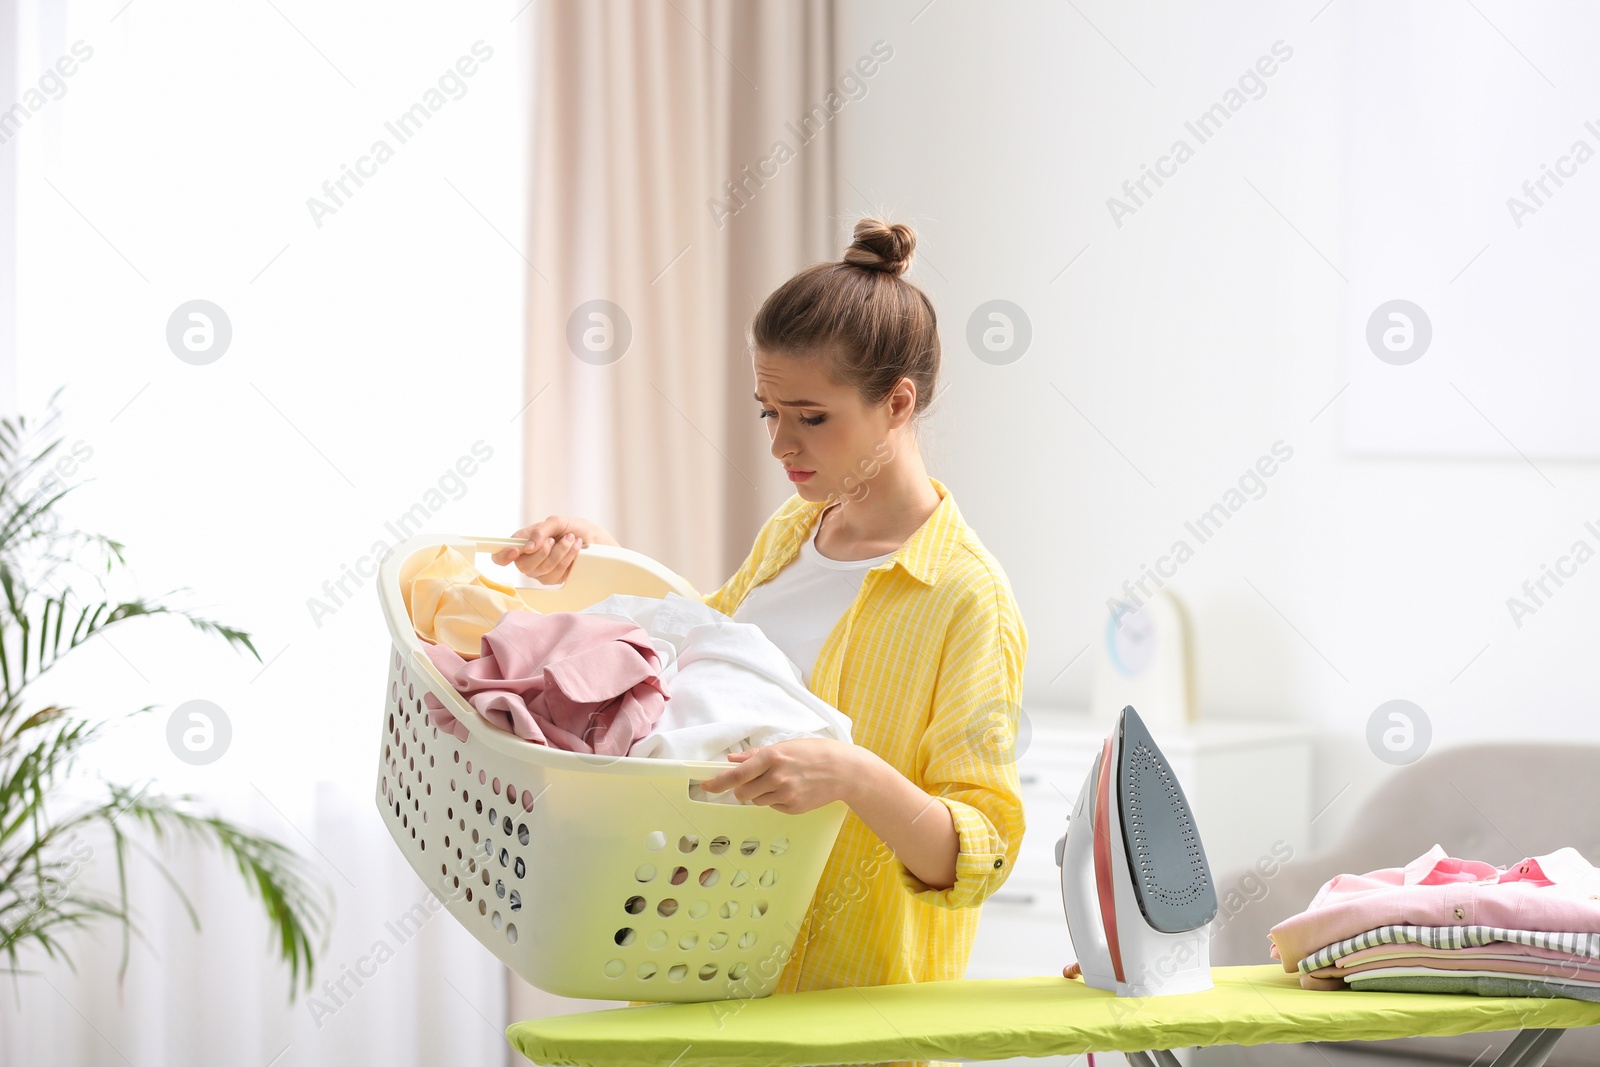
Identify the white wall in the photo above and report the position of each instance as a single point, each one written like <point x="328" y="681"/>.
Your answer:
<point x="1213" y="322"/>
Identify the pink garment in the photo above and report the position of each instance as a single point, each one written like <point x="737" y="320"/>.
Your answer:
<point x="1559" y="893"/>
<point x="584" y="683"/>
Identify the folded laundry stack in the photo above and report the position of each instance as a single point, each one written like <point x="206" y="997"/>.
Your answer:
<point x="1445" y="925"/>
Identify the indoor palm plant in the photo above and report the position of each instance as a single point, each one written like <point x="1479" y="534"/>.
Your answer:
<point x="48" y="815"/>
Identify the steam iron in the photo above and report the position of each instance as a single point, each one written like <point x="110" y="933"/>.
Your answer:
<point x="1134" y="879"/>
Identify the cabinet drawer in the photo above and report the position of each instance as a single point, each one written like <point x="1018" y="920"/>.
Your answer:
<point x="1014" y="942"/>
<point x="1031" y="895"/>
<point x="1046" y="822"/>
<point x="1051" y="781"/>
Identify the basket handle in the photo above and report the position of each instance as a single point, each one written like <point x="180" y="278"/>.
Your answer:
<point x="485" y="545"/>
<point x="488" y="545"/>
<point x="467" y="715"/>
<point x="711" y="768"/>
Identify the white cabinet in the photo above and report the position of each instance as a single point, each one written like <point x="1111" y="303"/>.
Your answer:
<point x="1248" y="783"/>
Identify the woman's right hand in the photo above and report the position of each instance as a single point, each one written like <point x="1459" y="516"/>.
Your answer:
<point x="550" y="547"/>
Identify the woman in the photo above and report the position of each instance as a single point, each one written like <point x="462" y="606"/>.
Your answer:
<point x="896" y="614"/>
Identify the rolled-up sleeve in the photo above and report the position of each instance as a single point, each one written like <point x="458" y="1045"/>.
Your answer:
<point x="967" y="757"/>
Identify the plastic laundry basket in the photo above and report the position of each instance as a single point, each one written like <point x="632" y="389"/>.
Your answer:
<point x="589" y="876"/>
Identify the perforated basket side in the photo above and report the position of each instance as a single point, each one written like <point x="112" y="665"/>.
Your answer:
<point x="593" y="881"/>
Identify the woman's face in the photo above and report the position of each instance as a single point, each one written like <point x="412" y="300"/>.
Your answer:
<point x="824" y="428"/>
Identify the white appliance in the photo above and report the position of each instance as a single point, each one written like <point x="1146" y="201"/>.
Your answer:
<point x="1135" y="883"/>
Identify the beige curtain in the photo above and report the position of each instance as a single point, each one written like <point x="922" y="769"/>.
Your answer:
<point x="646" y="112"/>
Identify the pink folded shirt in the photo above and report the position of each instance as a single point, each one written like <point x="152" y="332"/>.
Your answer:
<point x="584" y="683"/>
<point x="1559" y="892"/>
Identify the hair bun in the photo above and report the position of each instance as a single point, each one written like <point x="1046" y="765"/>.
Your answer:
<point x="882" y="246"/>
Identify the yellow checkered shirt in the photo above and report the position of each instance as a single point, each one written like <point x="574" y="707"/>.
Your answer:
<point x="927" y="664"/>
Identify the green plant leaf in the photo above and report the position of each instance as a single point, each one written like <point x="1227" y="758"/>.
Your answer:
<point x="42" y="897"/>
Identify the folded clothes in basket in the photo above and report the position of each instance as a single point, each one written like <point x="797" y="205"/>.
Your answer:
<point x="584" y="683"/>
<point x="731" y="688"/>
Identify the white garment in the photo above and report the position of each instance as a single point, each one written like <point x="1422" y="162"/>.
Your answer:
<point x="729" y="687"/>
<point x="798" y="607"/>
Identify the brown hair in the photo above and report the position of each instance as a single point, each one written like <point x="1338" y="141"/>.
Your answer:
<point x="878" y="326"/>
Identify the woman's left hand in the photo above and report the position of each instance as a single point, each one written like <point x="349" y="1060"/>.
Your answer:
<point x="790" y="776"/>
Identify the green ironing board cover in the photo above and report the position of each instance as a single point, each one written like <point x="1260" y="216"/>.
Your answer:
<point x="995" y="1019"/>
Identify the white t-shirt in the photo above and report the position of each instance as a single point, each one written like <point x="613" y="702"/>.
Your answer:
<point x="798" y="607"/>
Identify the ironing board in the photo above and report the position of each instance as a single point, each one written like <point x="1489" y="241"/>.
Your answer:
<point x="995" y="1019"/>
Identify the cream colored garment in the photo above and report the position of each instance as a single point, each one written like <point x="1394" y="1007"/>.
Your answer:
<point x="451" y="603"/>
